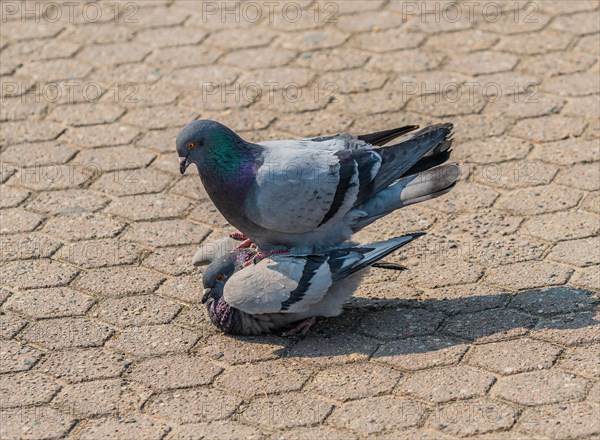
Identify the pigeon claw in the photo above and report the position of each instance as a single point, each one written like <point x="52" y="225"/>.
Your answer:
<point x="302" y="328"/>
<point x="262" y="255"/>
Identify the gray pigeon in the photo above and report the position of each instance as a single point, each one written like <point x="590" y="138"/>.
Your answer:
<point x="286" y="292"/>
<point x="315" y="192"/>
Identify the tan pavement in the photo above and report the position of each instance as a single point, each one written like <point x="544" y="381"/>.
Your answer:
<point x="493" y="333"/>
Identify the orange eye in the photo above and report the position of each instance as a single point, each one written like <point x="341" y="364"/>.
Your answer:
<point x="190" y="145"/>
<point x="221" y="277"/>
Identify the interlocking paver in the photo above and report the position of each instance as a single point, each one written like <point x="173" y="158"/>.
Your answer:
<point x="32" y="274"/>
<point x="351" y="382"/>
<point x="572" y="329"/>
<point x="153" y="340"/>
<point x="84" y="365"/>
<point x="67" y="201"/>
<point x="63" y="333"/>
<point x="136" y="426"/>
<point x="179" y="371"/>
<point x="119" y="281"/>
<point x="49" y="303"/>
<point x="16" y="356"/>
<point x="420" y="352"/>
<point x="137" y="310"/>
<point x="551" y="226"/>
<point x="86" y="226"/>
<point x="376" y="414"/>
<point x="448" y="383"/>
<point x="21" y="389"/>
<point x="216" y="430"/>
<point x="515" y="356"/>
<point x="473" y="417"/>
<point x="37" y="422"/>
<point x="194" y="405"/>
<point x="540" y="387"/>
<point x="286" y="411"/>
<point x="581" y="360"/>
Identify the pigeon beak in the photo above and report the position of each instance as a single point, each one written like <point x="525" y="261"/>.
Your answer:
<point x="206" y="295"/>
<point x="183" y="164"/>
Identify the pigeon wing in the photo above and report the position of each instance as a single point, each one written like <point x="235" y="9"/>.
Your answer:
<point x="279" y="284"/>
<point x="298" y="190"/>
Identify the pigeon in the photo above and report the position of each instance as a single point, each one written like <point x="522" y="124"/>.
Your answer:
<point x="316" y="192"/>
<point x="286" y="292"/>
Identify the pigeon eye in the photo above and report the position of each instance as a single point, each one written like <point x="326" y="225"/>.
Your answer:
<point x="190" y="145"/>
<point x="221" y="277"/>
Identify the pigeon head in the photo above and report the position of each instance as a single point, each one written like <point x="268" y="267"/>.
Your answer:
<point x="203" y="139"/>
<point x="220" y="270"/>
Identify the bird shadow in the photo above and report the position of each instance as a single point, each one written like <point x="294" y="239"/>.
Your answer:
<point x="393" y="328"/>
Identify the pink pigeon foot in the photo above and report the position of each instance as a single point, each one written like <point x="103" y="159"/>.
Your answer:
<point x="262" y="255"/>
<point x="302" y="328"/>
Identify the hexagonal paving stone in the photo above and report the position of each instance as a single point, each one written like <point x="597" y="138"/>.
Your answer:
<point x="179" y="371"/>
<point x="82" y="398"/>
<point x="137" y="310"/>
<point x="581" y="360"/>
<point x="582" y="252"/>
<point x="354" y="381"/>
<point x="242" y="350"/>
<point x="571" y="420"/>
<point x="540" y="387"/>
<point x="100" y="253"/>
<point x="84" y="365"/>
<point x="399" y="323"/>
<point x="193" y="405"/>
<point x="16" y="356"/>
<point x="36" y="274"/>
<point x="473" y="417"/>
<point x="490" y="325"/>
<point x="132" y="182"/>
<point x="64" y="333"/>
<point x="18" y="220"/>
<point x="548" y="128"/>
<point x="264" y="378"/>
<point x="167" y="233"/>
<point x="376" y="414"/>
<point x="68" y="201"/>
<point x="120" y="281"/>
<point x="333" y="350"/>
<point x="148" y="207"/>
<point x="27" y="246"/>
<point x="515" y="356"/>
<point x="538" y="200"/>
<point x="552" y="226"/>
<point x="286" y="411"/>
<point x="447" y="383"/>
<point x="10" y="325"/>
<point x="420" y="352"/>
<point x="216" y="430"/>
<point x="136" y="426"/>
<point x="588" y="278"/>
<point x="76" y="227"/>
<point x="554" y="300"/>
<point x="37" y="422"/>
<point x="572" y="329"/>
<point x="50" y="303"/>
<point x="530" y="274"/>
<point x="174" y="261"/>
<point x="23" y="389"/>
<point x="153" y="340"/>
<point x="182" y="288"/>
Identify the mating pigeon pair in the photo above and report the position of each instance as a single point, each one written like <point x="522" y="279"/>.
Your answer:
<point x="299" y="201"/>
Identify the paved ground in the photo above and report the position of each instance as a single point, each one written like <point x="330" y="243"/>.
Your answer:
<point x="102" y="334"/>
